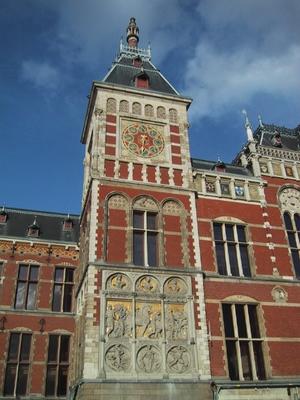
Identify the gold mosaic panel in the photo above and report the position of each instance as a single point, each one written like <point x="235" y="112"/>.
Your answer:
<point x="148" y="320"/>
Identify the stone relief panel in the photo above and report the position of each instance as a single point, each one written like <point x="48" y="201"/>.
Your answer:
<point x="119" y="282"/>
<point x="178" y="359"/>
<point x="117" y="358"/>
<point x="118" y="319"/>
<point x="148" y="320"/>
<point x="145" y="202"/>
<point x="147" y="284"/>
<point x="149" y="359"/>
<point x="279" y="295"/>
<point x="175" y="286"/>
<point x="290" y="199"/>
<point x="176" y="322"/>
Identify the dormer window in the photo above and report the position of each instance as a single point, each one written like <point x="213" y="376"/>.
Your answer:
<point x="67" y="224"/>
<point x="137" y="62"/>
<point x="276" y="140"/>
<point x="142" y="80"/>
<point x="219" y="166"/>
<point x="33" y="229"/>
<point x="3" y="216"/>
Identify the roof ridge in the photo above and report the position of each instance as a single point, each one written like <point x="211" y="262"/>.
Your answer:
<point x="39" y="212"/>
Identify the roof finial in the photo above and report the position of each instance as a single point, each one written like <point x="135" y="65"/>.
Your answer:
<point x="260" y="121"/>
<point x="132" y="33"/>
<point x="248" y="127"/>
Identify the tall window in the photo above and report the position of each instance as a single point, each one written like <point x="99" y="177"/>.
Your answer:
<point x="27" y="287"/>
<point x="57" y="365"/>
<point x="243" y="342"/>
<point x="231" y="249"/>
<point x="17" y="366"/>
<point x="145" y="238"/>
<point x="63" y="289"/>
<point x="292" y="226"/>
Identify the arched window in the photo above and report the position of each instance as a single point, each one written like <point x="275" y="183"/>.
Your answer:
<point x="124" y="106"/>
<point x="136" y="108"/>
<point x="111" y="106"/>
<point x="173" y="115"/>
<point x="231" y="249"/>
<point x="161" y="112"/>
<point x="145" y="225"/>
<point x="149" y="112"/>
<point x="289" y="199"/>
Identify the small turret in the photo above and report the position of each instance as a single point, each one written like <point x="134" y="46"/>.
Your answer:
<point x="132" y="33"/>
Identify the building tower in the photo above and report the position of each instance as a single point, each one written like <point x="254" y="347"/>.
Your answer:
<point x="140" y="306"/>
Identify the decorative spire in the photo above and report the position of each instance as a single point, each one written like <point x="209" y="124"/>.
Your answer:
<point x="260" y="121"/>
<point x="248" y="127"/>
<point x="132" y="33"/>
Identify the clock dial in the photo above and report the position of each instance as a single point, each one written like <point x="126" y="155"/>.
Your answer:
<point x="143" y="140"/>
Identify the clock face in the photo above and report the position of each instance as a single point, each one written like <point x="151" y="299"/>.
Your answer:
<point x="143" y="140"/>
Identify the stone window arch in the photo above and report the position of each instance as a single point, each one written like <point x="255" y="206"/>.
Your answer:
<point x="145" y="232"/>
<point x="173" y="115"/>
<point x="124" y="106"/>
<point x="289" y="200"/>
<point x="161" y="112"/>
<point x="111" y="106"/>
<point x="149" y="111"/>
<point x="136" y="108"/>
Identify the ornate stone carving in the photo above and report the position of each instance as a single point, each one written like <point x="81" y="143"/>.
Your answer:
<point x="147" y="284"/>
<point x="146" y="203"/>
<point x="175" y="286"/>
<point x="148" y="321"/>
<point x="98" y="111"/>
<point x="176" y="323"/>
<point x="118" y="321"/>
<point x="149" y="359"/>
<point x="118" y="282"/>
<point x="290" y="199"/>
<point x="171" y="208"/>
<point x="117" y="358"/>
<point x="111" y="106"/>
<point x="117" y="202"/>
<point x="178" y="359"/>
<point x="279" y="294"/>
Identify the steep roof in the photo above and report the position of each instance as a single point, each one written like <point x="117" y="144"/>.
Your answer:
<point x="290" y="138"/>
<point x="50" y="225"/>
<point x="229" y="168"/>
<point x="123" y="72"/>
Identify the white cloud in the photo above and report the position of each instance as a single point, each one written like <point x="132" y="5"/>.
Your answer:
<point x="40" y="74"/>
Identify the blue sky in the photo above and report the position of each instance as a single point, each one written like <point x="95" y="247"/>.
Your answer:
<point x="226" y="54"/>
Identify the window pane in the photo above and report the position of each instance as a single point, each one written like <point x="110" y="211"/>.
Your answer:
<point x="288" y="221"/>
<point x="229" y="233"/>
<point x="152" y="249"/>
<point x="245" y="260"/>
<point x="259" y="360"/>
<point x="13" y="347"/>
<point x="67" y="305"/>
<point x="253" y="321"/>
<point x="31" y="298"/>
<point x="59" y="275"/>
<point x="218" y="231"/>
<point x="64" y="348"/>
<point x="50" y="381"/>
<point x="57" y="293"/>
<point x="292" y="239"/>
<point x="23" y="269"/>
<point x="240" y="318"/>
<point x="69" y="275"/>
<point x="233" y="259"/>
<point x="245" y="357"/>
<point x="22" y="380"/>
<point x="138" y="248"/>
<point x="34" y="272"/>
<point x="241" y="233"/>
<point x="151" y="221"/>
<point x="232" y="360"/>
<point x="297" y="221"/>
<point x="221" y="258"/>
<point x="20" y="295"/>
<point x="296" y="262"/>
<point x="138" y="219"/>
<point x="10" y="376"/>
<point x="228" y="324"/>
<point x="52" y="348"/>
<point x="25" y="347"/>
<point x="62" y="381"/>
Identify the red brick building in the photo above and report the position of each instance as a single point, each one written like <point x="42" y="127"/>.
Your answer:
<point x="188" y="276"/>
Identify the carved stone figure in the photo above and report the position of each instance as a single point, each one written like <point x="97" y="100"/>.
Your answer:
<point x="118" y="282"/>
<point x="178" y="359"/>
<point x="117" y="321"/>
<point x="177" y="325"/>
<point x="142" y="320"/>
<point x="279" y="294"/>
<point x="290" y="199"/>
<point x="117" y="358"/>
<point x="154" y="327"/>
<point x="147" y="284"/>
<point x="149" y="359"/>
<point x="175" y="286"/>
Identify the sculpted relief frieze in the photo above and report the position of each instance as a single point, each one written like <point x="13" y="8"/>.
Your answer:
<point x="290" y="199"/>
